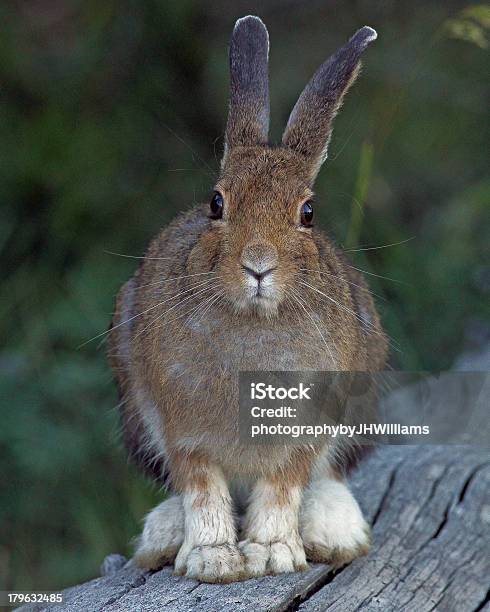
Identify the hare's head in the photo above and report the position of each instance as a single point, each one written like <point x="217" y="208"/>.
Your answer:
<point x="261" y="232"/>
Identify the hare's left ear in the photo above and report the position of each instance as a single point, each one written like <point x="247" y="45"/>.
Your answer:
<point x="248" y="115"/>
<point x="310" y="124"/>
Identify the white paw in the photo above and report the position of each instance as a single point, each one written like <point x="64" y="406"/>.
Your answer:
<point x="331" y="524"/>
<point x="273" y="558"/>
<point x="163" y="534"/>
<point x="221" y="563"/>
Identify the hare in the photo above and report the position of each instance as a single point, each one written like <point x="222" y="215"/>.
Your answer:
<point x="246" y="282"/>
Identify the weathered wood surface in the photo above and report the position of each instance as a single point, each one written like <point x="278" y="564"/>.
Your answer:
<point x="430" y="511"/>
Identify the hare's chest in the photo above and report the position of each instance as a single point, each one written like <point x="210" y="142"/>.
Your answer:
<point x="240" y="348"/>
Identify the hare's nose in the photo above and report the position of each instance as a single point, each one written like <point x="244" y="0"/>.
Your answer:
<point x="259" y="259"/>
<point x="257" y="275"/>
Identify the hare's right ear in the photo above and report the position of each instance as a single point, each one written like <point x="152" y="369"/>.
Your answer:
<point x="310" y="124"/>
<point x="248" y="115"/>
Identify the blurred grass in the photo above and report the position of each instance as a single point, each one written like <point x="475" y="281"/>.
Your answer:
<point x="111" y="122"/>
<point x="471" y="24"/>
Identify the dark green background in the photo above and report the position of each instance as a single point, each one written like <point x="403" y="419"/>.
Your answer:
<point x="111" y="121"/>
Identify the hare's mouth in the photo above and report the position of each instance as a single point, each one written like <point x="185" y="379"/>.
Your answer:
<point x="253" y="288"/>
<point x="260" y="287"/>
<point x="261" y="299"/>
<point x="260" y="295"/>
<point x="258" y="304"/>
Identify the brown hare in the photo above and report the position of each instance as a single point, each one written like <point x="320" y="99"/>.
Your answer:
<point x="246" y="282"/>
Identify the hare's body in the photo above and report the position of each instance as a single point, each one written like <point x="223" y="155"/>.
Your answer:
<point x="187" y="366"/>
<point x="245" y="290"/>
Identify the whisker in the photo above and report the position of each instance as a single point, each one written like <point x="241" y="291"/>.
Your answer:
<point x="379" y="276"/>
<point x="346" y="281"/>
<point x="334" y="301"/>
<point x="351" y="312"/>
<point x="206" y="288"/>
<point x="346" y="142"/>
<point x="186" y="144"/>
<point x="141" y="313"/>
<point x="180" y="169"/>
<point x="382" y="246"/>
<point x="305" y="303"/>
<point x="189" y="311"/>
<point x="135" y="256"/>
<point x="192" y="310"/>
<point x="174" y="278"/>
<point x="297" y="298"/>
<point x="205" y="308"/>
<point x="196" y="309"/>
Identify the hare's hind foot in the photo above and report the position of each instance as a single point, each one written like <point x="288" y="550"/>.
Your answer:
<point x="162" y="535"/>
<point x="331" y="524"/>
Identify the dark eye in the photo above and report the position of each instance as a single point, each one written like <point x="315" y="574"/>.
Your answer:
<point x="216" y="205"/>
<point x="307" y="213"/>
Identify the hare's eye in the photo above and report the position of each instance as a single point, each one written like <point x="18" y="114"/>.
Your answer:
<point x="307" y="213"/>
<point x="216" y="205"/>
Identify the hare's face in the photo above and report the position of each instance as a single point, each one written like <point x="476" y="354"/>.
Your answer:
<point x="263" y="219"/>
<point x="260" y="235"/>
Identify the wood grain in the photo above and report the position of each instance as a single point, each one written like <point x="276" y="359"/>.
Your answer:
<point x="430" y="511"/>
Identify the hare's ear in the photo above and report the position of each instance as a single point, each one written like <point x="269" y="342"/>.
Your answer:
<point x="310" y="124"/>
<point x="248" y="116"/>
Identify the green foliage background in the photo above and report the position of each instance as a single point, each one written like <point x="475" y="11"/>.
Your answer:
<point x="111" y="121"/>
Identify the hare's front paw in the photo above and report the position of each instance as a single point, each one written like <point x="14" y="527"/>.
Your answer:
<point x="220" y="563"/>
<point x="332" y="526"/>
<point x="162" y="535"/>
<point x="273" y="558"/>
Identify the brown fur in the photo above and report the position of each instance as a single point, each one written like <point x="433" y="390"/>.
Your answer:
<point x="263" y="188"/>
<point x="177" y="363"/>
<point x="298" y="474"/>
